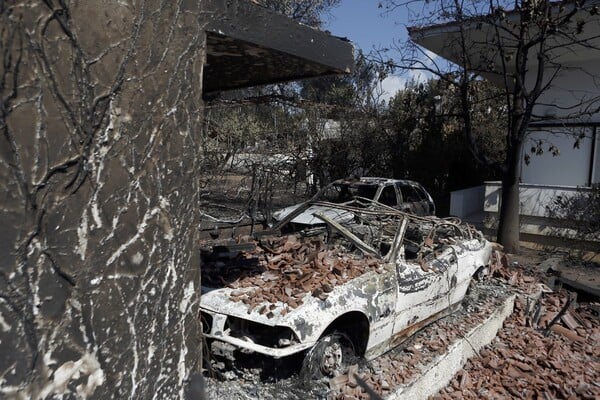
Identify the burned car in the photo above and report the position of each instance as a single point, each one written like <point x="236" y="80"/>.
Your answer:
<point x="329" y="293"/>
<point x="401" y="194"/>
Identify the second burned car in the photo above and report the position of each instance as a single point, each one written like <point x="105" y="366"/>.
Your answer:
<point x="401" y="194"/>
<point x="338" y="290"/>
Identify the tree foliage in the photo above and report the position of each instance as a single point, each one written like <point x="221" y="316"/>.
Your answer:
<point x="418" y="135"/>
<point x="335" y="127"/>
<point x="427" y="135"/>
<point x="309" y="12"/>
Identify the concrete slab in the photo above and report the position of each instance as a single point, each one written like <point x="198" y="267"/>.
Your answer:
<point x="427" y="361"/>
<point x="582" y="280"/>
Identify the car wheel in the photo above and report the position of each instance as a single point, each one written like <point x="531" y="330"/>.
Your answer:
<point x="329" y="357"/>
<point x="481" y="273"/>
<point x="477" y="277"/>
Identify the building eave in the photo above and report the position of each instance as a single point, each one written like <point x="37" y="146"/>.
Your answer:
<point x="442" y="39"/>
<point x="250" y="45"/>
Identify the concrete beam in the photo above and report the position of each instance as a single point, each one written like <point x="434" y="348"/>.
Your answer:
<point x="249" y="45"/>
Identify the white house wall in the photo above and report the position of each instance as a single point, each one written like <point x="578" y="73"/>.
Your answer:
<point x="572" y="98"/>
<point x="570" y="168"/>
<point x="467" y="201"/>
<point x="573" y="95"/>
<point x="534" y="199"/>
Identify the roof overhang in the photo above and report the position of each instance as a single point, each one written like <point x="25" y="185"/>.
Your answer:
<point x="480" y="43"/>
<point x="249" y="45"/>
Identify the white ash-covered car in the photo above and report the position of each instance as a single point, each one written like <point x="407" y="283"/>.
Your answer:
<point x="332" y="292"/>
<point x="402" y="194"/>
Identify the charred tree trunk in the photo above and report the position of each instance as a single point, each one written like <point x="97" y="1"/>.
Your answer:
<point x="508" y="228"/>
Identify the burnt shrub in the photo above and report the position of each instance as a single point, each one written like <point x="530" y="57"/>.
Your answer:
<point x="582" y="210"/>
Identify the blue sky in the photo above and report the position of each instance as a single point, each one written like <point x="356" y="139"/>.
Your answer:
<point x="365" y="24"/>
<point x="368" y="27"/>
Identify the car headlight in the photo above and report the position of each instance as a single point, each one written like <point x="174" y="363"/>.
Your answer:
<point x="264" y="335"/>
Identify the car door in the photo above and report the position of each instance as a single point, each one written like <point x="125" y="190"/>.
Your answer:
<point x="423" y="292"/>
<point x="388" y="196"/>
<point x="460" y="277"/>
<point x="411" y="200"/>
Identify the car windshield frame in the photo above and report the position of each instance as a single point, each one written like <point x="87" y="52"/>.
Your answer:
<point x="430" y="225"/>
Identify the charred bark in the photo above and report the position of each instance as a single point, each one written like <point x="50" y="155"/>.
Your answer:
<point x="99" y="117"/>
<point x="508" y="228"/>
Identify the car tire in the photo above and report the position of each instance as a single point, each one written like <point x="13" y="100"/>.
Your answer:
<point x="329" y="357"/>
<point x="481" y="274"/>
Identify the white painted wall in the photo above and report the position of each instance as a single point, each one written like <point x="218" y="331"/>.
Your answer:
<point x="467" y="201"/>
<point x="571" y="168"/>
<point x="487" y="197"/>
<point x="573" y="95"/>
<point x="533" y="198"/>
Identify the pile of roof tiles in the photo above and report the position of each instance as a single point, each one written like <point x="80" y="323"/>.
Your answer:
<point x="525" y="278"/>
<point x="548" y="350"/>
<point x="535" y="360"/>
<point x="288" y="268"/>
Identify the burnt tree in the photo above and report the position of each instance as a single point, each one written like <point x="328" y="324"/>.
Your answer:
<point x="523" y="47"/>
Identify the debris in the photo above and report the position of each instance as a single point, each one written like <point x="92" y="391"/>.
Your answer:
<point x="352" y="371"/>
<point x="465" y="381"/>
<point x="523" y="361"/>
<point x="558" y="316"/>
<point x="551" y="264"/>
<point x="569" y="321"/>
<point x="314" y="269"/>
<point x="276" y="268"/>
<point x="567" y="333"/>
<point x="338" y="382"/>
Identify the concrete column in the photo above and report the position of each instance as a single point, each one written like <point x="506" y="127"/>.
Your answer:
<point x="99" y="125"/>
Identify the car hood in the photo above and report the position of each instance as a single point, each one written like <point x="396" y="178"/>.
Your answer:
<point x="220" y="301"/>
<point x="307" y="217"/>
<point x="300" y="319"/>
<point x="309" y="319"/>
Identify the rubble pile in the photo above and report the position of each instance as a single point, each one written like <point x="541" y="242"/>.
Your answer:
<point x="525" y="278"/>
<point x="404" y="364"/>
<point x="546" y="351"/>
<point x="524" y="362"/>
<point x="285" y="269"/>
